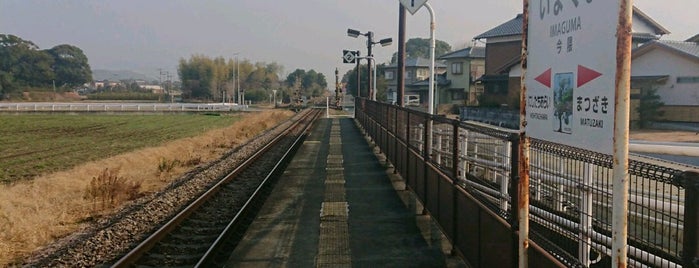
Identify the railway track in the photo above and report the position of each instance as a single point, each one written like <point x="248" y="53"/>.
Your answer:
<point x="136" y="234"/>
<point x="206" y="231"/>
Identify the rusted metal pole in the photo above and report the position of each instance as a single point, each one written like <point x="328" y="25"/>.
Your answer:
<point x="400" y="71"/>
<point x="523" y="152"/>
<point x="620" y="196"/>
<point x="359" y="77"/>
<point x="432" y="48"/>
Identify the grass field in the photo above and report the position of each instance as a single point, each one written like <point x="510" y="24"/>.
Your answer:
<point x="155" y="150"/>
<point x="31" y="145"/>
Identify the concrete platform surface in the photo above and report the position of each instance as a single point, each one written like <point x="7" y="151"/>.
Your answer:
<point x="335" y="206"/>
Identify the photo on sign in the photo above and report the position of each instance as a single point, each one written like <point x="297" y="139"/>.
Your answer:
<point x="563" y="103"/>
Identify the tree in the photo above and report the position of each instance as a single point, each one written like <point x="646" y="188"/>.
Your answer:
<point x="7" y="84"/>
<point x="420" y="48"/>
<point x="649" y="107"/>
<point x="206" y="78"/>
<point x="381" y="84"/>
<point x="311" y="82"/>
<point x="70" y="65"/>
<point x="22" y="60"/>
<point x="350" y="79"/>
<point x="196" y="75"/>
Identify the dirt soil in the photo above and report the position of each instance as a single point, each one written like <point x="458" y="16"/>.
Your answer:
<point x="664" y="135"/>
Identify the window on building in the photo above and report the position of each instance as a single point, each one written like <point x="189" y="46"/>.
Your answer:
<point x="389" y="75"/>
<point x="688" y="79"/>
<point x="496" y="87"/>
<point x="457" y="68"/>
<point x="458" y="94"/>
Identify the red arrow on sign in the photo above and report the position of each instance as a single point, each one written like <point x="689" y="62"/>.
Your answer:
<point x="545" y="78"/>
<point x="586" y="75"/>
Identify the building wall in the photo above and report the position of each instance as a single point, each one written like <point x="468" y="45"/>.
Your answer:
<point x="459" y="82"/>
<point x="663" y="62"/>
<point x="640" y="26"/>
<point x="499" y="54"/>
<point x="680" y="113"/>
<point x="477" y="69"/>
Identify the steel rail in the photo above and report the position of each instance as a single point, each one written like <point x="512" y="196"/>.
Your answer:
<point x="135" y="254"/>
<point x="208" y="256"/>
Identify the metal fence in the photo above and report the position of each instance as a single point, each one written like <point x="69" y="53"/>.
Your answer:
<point x="115" y="107"/>
<point x="493" y="116"/>
<point x="465" y="174"/>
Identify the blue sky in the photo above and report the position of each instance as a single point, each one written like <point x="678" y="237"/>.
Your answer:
<point x="144" y="36"/>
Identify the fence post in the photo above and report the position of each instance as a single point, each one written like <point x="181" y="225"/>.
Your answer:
<point x="438" y="148"/>
<point x="463" y="166"/>
<point x="690" y="246"/>
<point x="455" y="165"/>
<point x="427" y="154"/>
<point x="514" y="209"/>
<point x="396" y="137"/>
<point x="586" y="215"/>
<point x="505" y="177"/>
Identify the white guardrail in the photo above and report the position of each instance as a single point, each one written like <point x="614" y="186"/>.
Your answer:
<point x="116" y="107"/>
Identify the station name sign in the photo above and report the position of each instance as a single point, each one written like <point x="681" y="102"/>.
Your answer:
<point x="571" y="72"/>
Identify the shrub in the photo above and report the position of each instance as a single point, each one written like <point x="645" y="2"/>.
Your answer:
<point x="108" y="190"/>
<point x="167" y="165"/>
<point x="649" y="107"/>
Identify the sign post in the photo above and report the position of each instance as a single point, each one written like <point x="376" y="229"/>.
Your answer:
<point x="577" y="87"/>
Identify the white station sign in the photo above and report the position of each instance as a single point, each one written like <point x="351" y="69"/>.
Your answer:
<point x="571" y="69"/>
<point x="412" y="5"/>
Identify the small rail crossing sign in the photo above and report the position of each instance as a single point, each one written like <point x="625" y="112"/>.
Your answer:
<point x="349" y="56"/>
<point x="412" y="5"/>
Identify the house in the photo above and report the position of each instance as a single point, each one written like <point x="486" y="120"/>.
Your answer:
<point x="416" y="70"/>
<point x="671" y="68"/>
<point x="465" y="66"/>
<point x="155" y="89"/>
<point x="503" y="56"/>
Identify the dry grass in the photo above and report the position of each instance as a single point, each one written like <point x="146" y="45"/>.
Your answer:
<point x="35" y="213"/>
<point x="664" y="135"/>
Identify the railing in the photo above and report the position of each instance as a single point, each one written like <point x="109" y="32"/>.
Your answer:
<point x="115" y="107"/>
<point x="493" y="116"/>
<point x="466" y="177"/>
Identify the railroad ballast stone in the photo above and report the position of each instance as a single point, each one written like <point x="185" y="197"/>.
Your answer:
<point x="111" y="237"/>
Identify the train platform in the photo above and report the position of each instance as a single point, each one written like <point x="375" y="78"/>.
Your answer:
<point x="337" y="206"/>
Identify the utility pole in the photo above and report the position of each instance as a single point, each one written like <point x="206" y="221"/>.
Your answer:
<point x="160" y="78"/>
<point x="369" y="45"/>
<point x="359" y="76"/>
<point x="168" y="86"/>
<point x="337" y="88"/>
<point x="400" y="76"/>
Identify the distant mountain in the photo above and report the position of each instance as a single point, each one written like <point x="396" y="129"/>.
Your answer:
<point x="113" y="75"/>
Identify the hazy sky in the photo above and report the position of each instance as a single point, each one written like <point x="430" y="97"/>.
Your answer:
<point x="144" y="35"/>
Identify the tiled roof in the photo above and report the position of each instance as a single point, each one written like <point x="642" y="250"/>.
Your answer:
<point x="418" y="62"/>
<point x="644" y="36"/>
<point x="689" y="49"/>
<point x="693" y="39"/>
<point x="514" y="26"/>
<point x="469" y="52"/>
<point x="441" y="82"/>
<point x="511" y="27"/>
